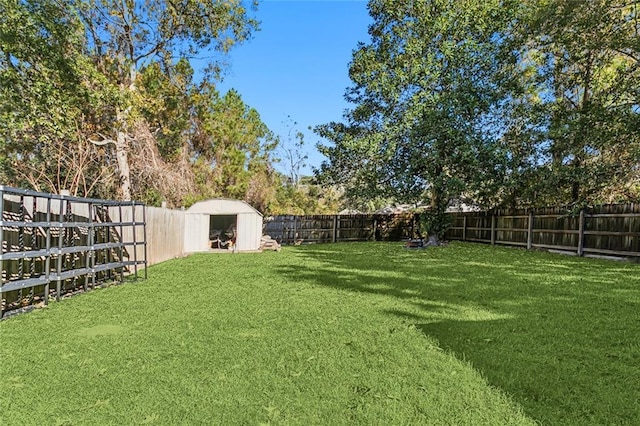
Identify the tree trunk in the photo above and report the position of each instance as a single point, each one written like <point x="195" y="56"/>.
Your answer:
<point x="433" y="240"/>
<point x="121" y="139"/>
<point x="575" y="185"/>
<point x="123" y="165"/>
<point x="582" y="138"/>
<point x="437" y="198"/>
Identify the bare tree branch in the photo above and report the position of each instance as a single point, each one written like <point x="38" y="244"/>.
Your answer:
<point x="105" y="141"/>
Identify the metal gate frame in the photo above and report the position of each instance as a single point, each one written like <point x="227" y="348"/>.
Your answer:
<point x="67" y="238"/>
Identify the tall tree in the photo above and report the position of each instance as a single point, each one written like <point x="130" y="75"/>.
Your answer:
<point x="292" y="152"/>
<point x="580" y="63"/>
<point x="233" y="148"/>
<point x="46" y="105"/>
<point x="161" y="158"/>
<point x="424" y="88"/>
<point x="124" y="36"/>
<point x="90" y="70"/>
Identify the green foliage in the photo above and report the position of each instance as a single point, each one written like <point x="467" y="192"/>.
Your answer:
<point x="163" y="38"/>
<point x="305" y="199"/>
<point x="509" y="103"/>
<point x="434" y="223"/>
<point x="234" y="149"/>
<point x="573" y="132"/>
<point x="98" y="96"/>
<point x="44" y="98"/>
<point x="165" y="101"/>
<point x="424" y="89"/>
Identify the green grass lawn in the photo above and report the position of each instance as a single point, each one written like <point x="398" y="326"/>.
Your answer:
<point x="365" y="333"/>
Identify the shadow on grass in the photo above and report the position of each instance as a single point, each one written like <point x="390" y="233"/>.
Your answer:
<point x="559" y="334"/>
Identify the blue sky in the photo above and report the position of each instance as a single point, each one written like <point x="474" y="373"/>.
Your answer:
<point x="297" y="64"/>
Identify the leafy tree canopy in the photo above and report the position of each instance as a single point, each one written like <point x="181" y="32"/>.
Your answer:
<point x="505" y="102"/>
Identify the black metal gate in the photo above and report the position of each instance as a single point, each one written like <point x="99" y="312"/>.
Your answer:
<point x="53" y="245"/>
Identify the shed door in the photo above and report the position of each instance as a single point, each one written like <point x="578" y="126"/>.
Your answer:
<point x="196" y="236"/>
<point x="249" y="231"/>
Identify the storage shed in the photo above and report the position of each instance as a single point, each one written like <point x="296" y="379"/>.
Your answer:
<point x="221" y="223"/>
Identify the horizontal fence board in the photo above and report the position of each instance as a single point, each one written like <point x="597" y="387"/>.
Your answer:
<point x="556" y="247"/>
<point x="556" y="231"/>
<point x="74" y="273"/>
<point x="26" y="283"/>
<point x="613" y="233"/>
<point x="23" y="254"/>
<point x="623" y="215"/>
<point x="510" y="243"/>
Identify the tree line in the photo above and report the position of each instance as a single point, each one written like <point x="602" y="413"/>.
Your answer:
<point x="117" y="99"/>
<point x="503" y="102"/>
<point x="507" y="103"/>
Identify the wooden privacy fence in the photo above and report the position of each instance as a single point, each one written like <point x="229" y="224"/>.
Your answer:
<point x="603" y="230"/>
<point x="70" y="242"/>
<point x="339" y="228"/>
<point x="165" y="233"/>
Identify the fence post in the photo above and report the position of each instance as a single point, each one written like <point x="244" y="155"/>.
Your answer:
<point x="493" y="229"/>
<point x="375" y="229"/>
<point x="530" y="231"/>
<point x="334" y="236"/>
<point x="47" y="261"/>
<point x="464" y="228"/>
<point x="90" y="242"/>
<point x="59" y="258"/>
<point x="581" y="233"/>
<point x="291" y="230"/>
<point x="121" y="248"/>
<point x="144" y="239"/>
<point x="134" y="230"/>
<point x="2" y="247"/>
<point x="413" y="226"/>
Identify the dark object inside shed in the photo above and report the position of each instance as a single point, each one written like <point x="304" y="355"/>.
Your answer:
<point x="222" y="231"/>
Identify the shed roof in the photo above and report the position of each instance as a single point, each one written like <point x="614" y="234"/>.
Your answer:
<point x="222" y="206"/>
